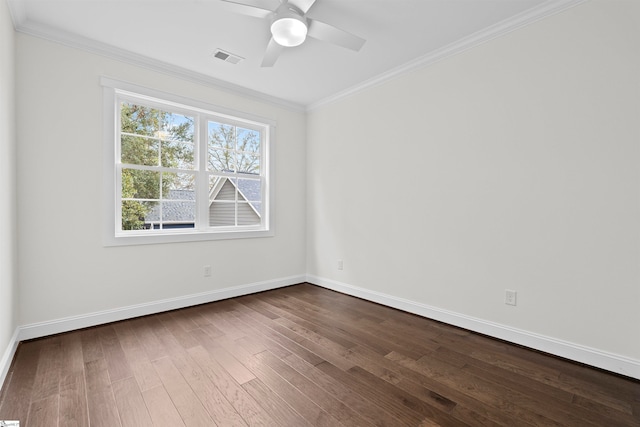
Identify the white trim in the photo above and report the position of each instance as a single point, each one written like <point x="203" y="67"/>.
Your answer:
<point x="115" y="90"/>
<point x="550" y="7"/>
<point x="183" y="103"/>
<point x="601" y="359"/>
<point x="21" y="24"/>
<point x="66" y="324"/>
<point x="67" y="39"/>
<point x="18" y="12"/>
<point x="7" y="357"/>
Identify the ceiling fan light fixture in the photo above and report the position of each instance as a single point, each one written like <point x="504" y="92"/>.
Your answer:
<point x="289" y="30"/>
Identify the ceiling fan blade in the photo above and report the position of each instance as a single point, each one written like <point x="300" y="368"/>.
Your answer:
<point x="271" y="55"/>
<point x="255" y="8"/>
<point x="325" y="32"/>
<point x="303" y="5"/>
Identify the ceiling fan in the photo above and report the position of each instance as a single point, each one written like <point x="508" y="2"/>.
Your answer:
<point x="290" y="25"/>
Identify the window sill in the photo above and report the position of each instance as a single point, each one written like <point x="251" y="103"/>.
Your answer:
<point x="182" y="237"/>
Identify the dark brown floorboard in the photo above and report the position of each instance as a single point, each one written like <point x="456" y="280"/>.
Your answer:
<point x="302" y="356"/>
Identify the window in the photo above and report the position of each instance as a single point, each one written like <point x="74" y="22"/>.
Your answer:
<point x="179" y="170"/>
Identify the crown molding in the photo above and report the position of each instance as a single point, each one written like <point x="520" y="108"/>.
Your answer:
<point x="550" y="7"/>
<point x="18" y="13"/>
<point x="67" y="39"/>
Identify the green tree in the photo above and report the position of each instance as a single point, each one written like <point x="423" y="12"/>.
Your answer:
<point x="151" y="137"/>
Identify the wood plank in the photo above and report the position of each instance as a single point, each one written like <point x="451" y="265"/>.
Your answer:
<point x="294" y="342"/>
<point x="507" y="377"/>
<point x="223" y="322"/>
<point x="131" y="406"/>
<point x="144" y="329"/>
<point x="277" y="409"/>
<point x="72" y="356"/>
<point x="161" y="408"/>
<point x="294" y="398"/>
<point x="478" y="389"/>
<point x="180" y="334"/>
<point x="101" y="403"/>
<point x="188" y="319"/>
<point x="91" y="346"/>
<point x="433" y="389"/>
<point x="228" y="361"/>
<point x="182" y="396"/>
<point x="405" y="415"/>
<point x="138" y="359"/>
<point x="244" y="404"/>
<point x="350" y="397"/>
<point x="165" y="338"/>
<point x="72" y="409"/>
<point x="47" y="380"/>
<point x="361" y="331"/>
<point x="44" y="412"/>
<point x="17" y="391"/>
<point x="318" y="322"/>
<point x="603" y="414"/>
<point x="220" y="409"/>
<point x="330" y="404"/>
<point x="117" y="363"/>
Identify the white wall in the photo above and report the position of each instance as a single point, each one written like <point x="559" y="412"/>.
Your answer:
<point x="512" y="165"/>
<point x="64" y="268"/>
<point x="8" y="248"/>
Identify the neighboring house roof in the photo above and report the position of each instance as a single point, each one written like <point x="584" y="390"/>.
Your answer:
<point x="250" y="190"/>
<point x="181" y="207"/>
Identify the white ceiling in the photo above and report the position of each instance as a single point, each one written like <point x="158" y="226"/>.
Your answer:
<point x="182" y="35"/>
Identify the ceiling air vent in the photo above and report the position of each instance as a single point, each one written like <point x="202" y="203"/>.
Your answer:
<point x="227" y="56"/>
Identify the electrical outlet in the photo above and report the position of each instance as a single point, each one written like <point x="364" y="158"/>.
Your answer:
<point x="340" y="264"/>
<point x="510" y="297"/>
<point x="206" y="270"/>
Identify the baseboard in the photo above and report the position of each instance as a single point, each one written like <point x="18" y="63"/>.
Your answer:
<point x="590" y="356"/>
<point x="7" y="357"/>
<point x="37" y="330"/>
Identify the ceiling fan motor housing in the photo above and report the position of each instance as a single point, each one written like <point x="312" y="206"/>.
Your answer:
<point x="289" y="27"/>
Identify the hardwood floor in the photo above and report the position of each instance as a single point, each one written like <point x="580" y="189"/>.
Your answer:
<point x="301" y="356"/>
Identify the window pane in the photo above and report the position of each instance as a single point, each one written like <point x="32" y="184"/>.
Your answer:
<point x="222" y="201"/>
<point x="140" y="120"/>
<point x="221" y="188"/>
<point x="134" y="214"/>
<point x="248" y="140"/>
<point x="222" y="214"/>
<point x="250" y="192"/>
<point x="152" y="212"/>
<point x="175" y="154"/>
<point x="250" y="189"/>
<point x="137" y="150"/>
<point x="248" y="163"/>
<point x="176" y="127"/>
<point x="140" y="184"/>
<point x="178" y="186"/>
<point x="183" y="212"/>
<point x="178" y="205"/>
<point x="221" y="160"/>
<point x="247" y="214"/>
<point x="222" y="136"/>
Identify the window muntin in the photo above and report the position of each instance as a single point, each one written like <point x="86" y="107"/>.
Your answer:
<point x="172" y="164"/>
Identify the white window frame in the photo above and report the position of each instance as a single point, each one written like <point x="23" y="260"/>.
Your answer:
<point x="114" y="92"/>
